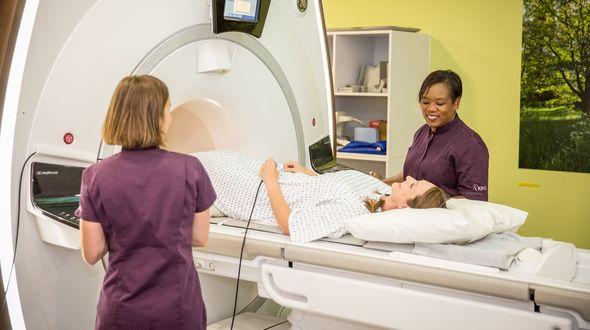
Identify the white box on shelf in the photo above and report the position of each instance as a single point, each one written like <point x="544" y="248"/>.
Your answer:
<point x="366" y="134"/>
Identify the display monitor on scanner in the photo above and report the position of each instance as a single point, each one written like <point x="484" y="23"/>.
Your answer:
<point x="247" y="16"/>
<point x="242" y="10"/>
<point x="322" y="158"/>
<point x="56" y="191"/>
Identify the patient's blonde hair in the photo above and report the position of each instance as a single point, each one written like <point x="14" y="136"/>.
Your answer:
<point x="373" y="205"/>
<point x="432" y="198"/>
<point x="136" y="113"/>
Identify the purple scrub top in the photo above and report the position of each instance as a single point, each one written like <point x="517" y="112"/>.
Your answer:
<point x="145" y="201"/>
<point x="454" y="158"/>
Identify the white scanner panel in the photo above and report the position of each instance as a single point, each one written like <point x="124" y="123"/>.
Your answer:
<point x="241" y="94"/>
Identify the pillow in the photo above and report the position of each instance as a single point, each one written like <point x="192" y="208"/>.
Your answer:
<point x="214" y="212"/>
<point x="463" y="221"/>
<point x="505" y="218"/>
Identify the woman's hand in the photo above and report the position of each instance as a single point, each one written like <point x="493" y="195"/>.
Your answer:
<point x="269" y="172"/>
<point x="398" y="178"/>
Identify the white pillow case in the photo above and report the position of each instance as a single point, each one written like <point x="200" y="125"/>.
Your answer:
<point x="463" y="221"/>
<point x="505" y="218"/>
<point x="214" y="212"/>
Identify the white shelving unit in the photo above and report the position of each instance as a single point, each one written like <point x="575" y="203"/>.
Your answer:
<point x="357" y="156"/>
<point x="408" y="55"/>
<point x="366" y="94"/>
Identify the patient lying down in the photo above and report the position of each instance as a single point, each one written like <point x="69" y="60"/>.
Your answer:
<point x="302" y="203"/>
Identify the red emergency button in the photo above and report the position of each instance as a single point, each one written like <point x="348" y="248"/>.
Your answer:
<point x="68" y="138"/>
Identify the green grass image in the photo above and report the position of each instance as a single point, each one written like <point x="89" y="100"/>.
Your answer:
<point x="555" y="139"/>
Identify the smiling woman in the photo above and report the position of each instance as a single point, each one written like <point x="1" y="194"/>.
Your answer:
<point x="445" y="151"/>
<point x="439" y="98"/>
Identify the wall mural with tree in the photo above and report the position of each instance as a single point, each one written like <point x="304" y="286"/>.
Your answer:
<point x="555" y="86"/>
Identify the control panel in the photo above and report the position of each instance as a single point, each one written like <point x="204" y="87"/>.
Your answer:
<point x="56" y="191"/>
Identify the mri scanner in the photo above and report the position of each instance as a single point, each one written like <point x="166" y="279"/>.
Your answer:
<point x="260" y="84"/>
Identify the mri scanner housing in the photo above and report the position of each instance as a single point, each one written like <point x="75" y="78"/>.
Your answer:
<point x="273" y="99"/>
<point x="269" y="96"/>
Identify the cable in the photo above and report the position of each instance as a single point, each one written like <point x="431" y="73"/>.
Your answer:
<point x="250" y="304"/>
<point x="17" y="230"/>
<point x="276" y="325"/>
<point x="241" y="255"/>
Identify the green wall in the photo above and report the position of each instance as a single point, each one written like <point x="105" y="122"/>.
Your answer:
<point x="481" y="40"/>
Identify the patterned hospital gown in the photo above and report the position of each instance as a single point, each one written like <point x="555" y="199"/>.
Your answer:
<point x="320" y="205"/>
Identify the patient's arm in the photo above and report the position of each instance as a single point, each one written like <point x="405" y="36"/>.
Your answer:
<point x="396" y="178"/>
<point x="294" y="167"/>
<point x="280" y="208"/>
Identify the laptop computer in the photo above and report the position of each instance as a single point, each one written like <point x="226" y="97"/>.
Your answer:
<point x="322" y="158"/>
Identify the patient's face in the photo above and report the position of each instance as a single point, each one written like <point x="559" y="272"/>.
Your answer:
<point x="404" y="191"/>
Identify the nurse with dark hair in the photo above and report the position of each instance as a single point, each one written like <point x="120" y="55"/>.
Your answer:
<point x="146" y="207"/>
<point x="445" y="151"/>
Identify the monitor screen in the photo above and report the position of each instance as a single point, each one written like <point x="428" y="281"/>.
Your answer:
<point x="242" y="10"/>
<point x="55" y="181"/>
<point x="320" y="154"/>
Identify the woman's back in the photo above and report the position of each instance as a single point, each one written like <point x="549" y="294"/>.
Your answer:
<point x="146" y="200"/>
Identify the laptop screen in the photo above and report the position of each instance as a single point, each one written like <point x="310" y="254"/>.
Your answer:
<point x="320" y="154"/>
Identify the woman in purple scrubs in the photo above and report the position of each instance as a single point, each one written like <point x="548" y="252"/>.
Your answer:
<point x="445" y="151"/>
<point x="146" y="207"/>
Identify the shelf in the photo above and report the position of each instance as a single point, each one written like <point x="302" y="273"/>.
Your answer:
<point x="357" y="156"/>
<point x="408" y="56"/>
<point x="364" y="30"/>
<point x="361" y="94"/>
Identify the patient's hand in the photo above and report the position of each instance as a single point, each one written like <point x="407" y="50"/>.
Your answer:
<point x="294" y="167"/>
<point x="269" y="172"/>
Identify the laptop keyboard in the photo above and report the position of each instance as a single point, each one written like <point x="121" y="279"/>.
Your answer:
<point x="336" y="168"/>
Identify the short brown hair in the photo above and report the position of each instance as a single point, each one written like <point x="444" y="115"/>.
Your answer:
<point x="136" y="113"/>
<point x="433" y="197"/>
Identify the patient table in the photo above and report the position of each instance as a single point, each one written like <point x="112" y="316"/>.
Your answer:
<point x="396" y="289"/>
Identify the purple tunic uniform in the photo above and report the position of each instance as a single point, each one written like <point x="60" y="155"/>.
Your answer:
<point x="145" y="201"/>
<point x="454" y="158"/>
